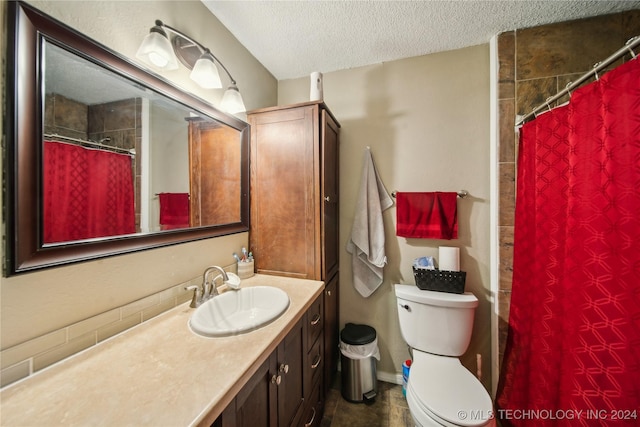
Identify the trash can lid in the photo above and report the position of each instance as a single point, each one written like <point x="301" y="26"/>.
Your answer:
<point x="357" y="334"/>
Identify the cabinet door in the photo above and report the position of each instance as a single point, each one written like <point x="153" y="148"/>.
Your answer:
<point x="291" y="357"/>
<point x="285" y="211"/>
<point x="256" y="404"/>
<point x="330" y="185"/>
<point x="331" y="331"/>
<point x="214" y="197"/>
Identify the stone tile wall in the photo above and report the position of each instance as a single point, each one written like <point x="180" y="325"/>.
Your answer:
<point x="120" y="121"/>
<point x="535" y="64"/>
<point x="64" y="116"/>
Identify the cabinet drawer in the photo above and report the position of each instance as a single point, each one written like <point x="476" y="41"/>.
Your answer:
<point x="315" y="407"/>
<point x="315" y="321"/>
<point x="315" y="362"/>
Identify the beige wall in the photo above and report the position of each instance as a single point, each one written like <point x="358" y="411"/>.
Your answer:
<point x="35" y="304"/>
<point x="426" y="120"/>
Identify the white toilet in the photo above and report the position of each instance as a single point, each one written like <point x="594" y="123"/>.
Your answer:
<point x="441" y="391"/>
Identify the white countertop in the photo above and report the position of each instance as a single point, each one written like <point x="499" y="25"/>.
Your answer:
<point x="158" y="373"/>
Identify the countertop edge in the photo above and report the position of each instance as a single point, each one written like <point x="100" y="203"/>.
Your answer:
<point x="193" y="375"/>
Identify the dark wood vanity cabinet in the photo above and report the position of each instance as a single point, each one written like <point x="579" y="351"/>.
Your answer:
<point x="256" y="403"/>
<point x="290" y="370"/>
<point x="287" y="389"/>
<point x="294" y="204"/>
<point x="274" y="396"/>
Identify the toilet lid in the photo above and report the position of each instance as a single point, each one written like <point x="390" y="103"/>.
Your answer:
<point x="447" y="390"/>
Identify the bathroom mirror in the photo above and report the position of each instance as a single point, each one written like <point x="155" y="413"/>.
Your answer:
<point x="105" y="158"/>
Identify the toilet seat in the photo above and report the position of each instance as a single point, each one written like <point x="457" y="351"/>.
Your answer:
<point x="447" y="392"/>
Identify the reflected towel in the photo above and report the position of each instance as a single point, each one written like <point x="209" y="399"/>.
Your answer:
<point x="367" y="234"/>
<point x="427" y="215"/>
<point x="174" y="210"/>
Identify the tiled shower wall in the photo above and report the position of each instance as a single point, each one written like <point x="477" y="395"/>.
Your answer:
<point x="534" y="64"/>
<point x="120" y="121"/>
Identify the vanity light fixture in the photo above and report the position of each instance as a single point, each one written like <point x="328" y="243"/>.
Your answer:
<point x="205" y="72"/>
<point x="156" y="49"/>
<point x="161" y="51"/>
<point x="232" y="100"/>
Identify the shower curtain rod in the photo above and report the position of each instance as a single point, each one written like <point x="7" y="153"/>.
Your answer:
<point x="131" y="152"/>
<point x="628" y="47"/>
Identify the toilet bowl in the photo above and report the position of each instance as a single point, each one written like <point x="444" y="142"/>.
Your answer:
<point x="441" y="391"/>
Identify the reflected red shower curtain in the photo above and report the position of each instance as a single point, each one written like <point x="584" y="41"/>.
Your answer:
<point x="572" y="356"/>
<point x="86" y="193"/>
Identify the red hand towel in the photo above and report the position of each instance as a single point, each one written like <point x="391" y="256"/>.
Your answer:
<point x="174" y="210"/>
<point x="427" y="215"/>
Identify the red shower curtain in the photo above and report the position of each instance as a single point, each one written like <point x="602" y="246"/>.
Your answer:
<point x="572" y="355"/>
<point x="86" y="193"/>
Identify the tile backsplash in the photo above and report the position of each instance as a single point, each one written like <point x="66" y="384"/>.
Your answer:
<point x="23" y="360"/>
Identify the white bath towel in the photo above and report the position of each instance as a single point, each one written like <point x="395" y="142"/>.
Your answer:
<point x="367" y="233"/>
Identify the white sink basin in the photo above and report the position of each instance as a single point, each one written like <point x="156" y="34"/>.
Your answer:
<point x="239" y="311"/>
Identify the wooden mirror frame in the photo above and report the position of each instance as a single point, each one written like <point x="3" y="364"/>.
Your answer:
<point x="27" y="27"/>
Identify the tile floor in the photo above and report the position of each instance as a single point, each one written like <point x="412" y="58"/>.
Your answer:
<point x="389" y="409"/>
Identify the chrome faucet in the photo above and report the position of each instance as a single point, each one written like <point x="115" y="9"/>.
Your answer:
<point x="206" y="290"/>
<point x="210" y="290"/>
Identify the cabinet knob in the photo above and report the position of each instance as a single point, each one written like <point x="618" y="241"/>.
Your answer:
<point x="329" y="293"/>
<point x="276" y="379"/>
<point x="327" y="199"/>
<point x="284" y="368"/>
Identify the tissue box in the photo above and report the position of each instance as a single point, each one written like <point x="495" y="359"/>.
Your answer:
<point x="440" y="280"/>
<point x="245" y="269"/>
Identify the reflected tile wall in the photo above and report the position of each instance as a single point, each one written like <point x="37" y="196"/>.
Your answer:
<point x="64" y="116"/>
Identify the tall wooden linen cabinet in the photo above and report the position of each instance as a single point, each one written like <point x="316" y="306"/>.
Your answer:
<point x="294" y="204"/>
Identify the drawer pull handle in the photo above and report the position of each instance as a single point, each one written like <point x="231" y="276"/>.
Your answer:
<point x="316" y="362"/>
<point x="276" y="379"/>
<point x="313" y="417"/>
<point x="284" y="368"/>
<point x="315" y="320"/>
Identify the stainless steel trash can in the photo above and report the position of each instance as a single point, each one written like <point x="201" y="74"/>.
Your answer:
<point x="359" y="351"/>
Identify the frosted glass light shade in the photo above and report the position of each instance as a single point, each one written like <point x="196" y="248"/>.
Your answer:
<point x="157" y="51"/>
<point x="205" y="73"/>
<point x="232" y="101"/>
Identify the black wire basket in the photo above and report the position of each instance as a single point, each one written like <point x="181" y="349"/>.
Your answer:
<point x="440" y="280"/>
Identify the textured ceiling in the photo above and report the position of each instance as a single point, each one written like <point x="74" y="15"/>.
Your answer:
<point x="294" y="38"/>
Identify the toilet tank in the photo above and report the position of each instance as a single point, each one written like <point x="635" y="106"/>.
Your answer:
<point x="435" y="322"/>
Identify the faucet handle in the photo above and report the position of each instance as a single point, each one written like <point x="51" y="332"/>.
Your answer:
<point x="197" y="295"/>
